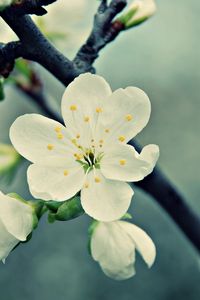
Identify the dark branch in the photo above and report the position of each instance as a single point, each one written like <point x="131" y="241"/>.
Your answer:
<point x="104" y="31"/>
<point x="8" y="53"/>
<point x="23" y="7"/>
<point x="158" y="186"/>
<point x="35" y="47"/>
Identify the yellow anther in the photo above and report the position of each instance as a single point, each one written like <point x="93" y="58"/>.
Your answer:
<point x="58" y="129"/>
<point x="122" y="162"/>
<point x="97" y="179"/>
<point x="65" y="172"/>
<point x="86" y="119"/>
<point x="99" y="109"/>
<point x="107" y="130"/>
<point x="60" y="136"/>
<point x="86" y="185"/>
<point x="129" y="117"/>
<point x="121" y="138"/>
<point x="74" y="141"/>
<point x="50" y="147"/>
<point x="78" y="156"/>
<point x="73" y="107"/>
<point x="101" y="142"/>
<point x="78" y="136"/>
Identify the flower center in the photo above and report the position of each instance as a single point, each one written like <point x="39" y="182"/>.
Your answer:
<point x="89" y="158"/>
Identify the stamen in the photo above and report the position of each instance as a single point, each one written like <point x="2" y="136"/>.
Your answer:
<point x="121" y="138"/>
<point x="122" y="162"/>
<point x="101" y="142"/>
<point x="99" y="109"/>
<point x="86" y="185"/>
<point x="128" y="117"/>
<point x="65" y="172"/>
<point x="73" y="107"/>
<point x="97" y="179"/>
<point x="58" y="129"/>
<point x="78" y="136"/>
<point x="50" y="147"/>
<point x="78" y="156"/>
<point x="86" y="119"/>
<point x="60" y="136"/>
<point x="107" y="130"/>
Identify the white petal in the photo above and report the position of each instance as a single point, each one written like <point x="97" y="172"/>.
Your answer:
<point x="122" y="162"/>
<point x="106" y="200"/>
<point x="16" y="216"/>
<point x="7" y="242"/>
<point x="126" y="113"/>
<point x="55" y="183"/>
<point x="143" y="242"/>
<point x="86" y="94"/>
<point x="33" y="134"/>
<point x="114" y="250"/>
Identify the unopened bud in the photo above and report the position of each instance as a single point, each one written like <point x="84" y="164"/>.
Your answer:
<point x="138" y="12"/>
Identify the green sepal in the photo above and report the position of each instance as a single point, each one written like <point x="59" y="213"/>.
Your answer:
<point x="125" y="18"/>
<point x="65" y="211"/>
<point x="127" y="216"/>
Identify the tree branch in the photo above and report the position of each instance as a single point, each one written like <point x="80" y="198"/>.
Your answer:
<point x="104" y="31"/>
<point x="158" y="186"/>
<point x="35" y="47"/>
<point x="22" y="7"/>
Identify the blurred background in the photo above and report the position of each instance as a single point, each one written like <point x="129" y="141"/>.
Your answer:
<point x="161" y="57"/>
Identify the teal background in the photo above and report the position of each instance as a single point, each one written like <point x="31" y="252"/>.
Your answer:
<point x="161" y="57"/>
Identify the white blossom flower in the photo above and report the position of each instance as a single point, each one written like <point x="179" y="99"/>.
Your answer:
<point x="16" y="223"/>
<point x="113" y="246"/>
<point x="90" y="154"/>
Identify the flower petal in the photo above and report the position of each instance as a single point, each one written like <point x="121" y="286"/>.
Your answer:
<point x="114" y="250"/>
<point x="143" y="242"/>
<point x="40" y="139"/>
<point x="82" y="103"/>
<point x="104" y="199"/>
<point x="126" y="113"/>
<point x="7" y="242"/>
<point x="55" y="183"/>
<point x="122" y="162"/>
<point x="16" y="216"/>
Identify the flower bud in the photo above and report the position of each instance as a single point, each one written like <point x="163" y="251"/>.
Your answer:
<point x="113" y="246"/>
<point x="4" y="4"/>
<point x="64" y="211"/>
<point x="17" y="221"/>
<point x="138" y="12"/>
<point x="9" y="159"/>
